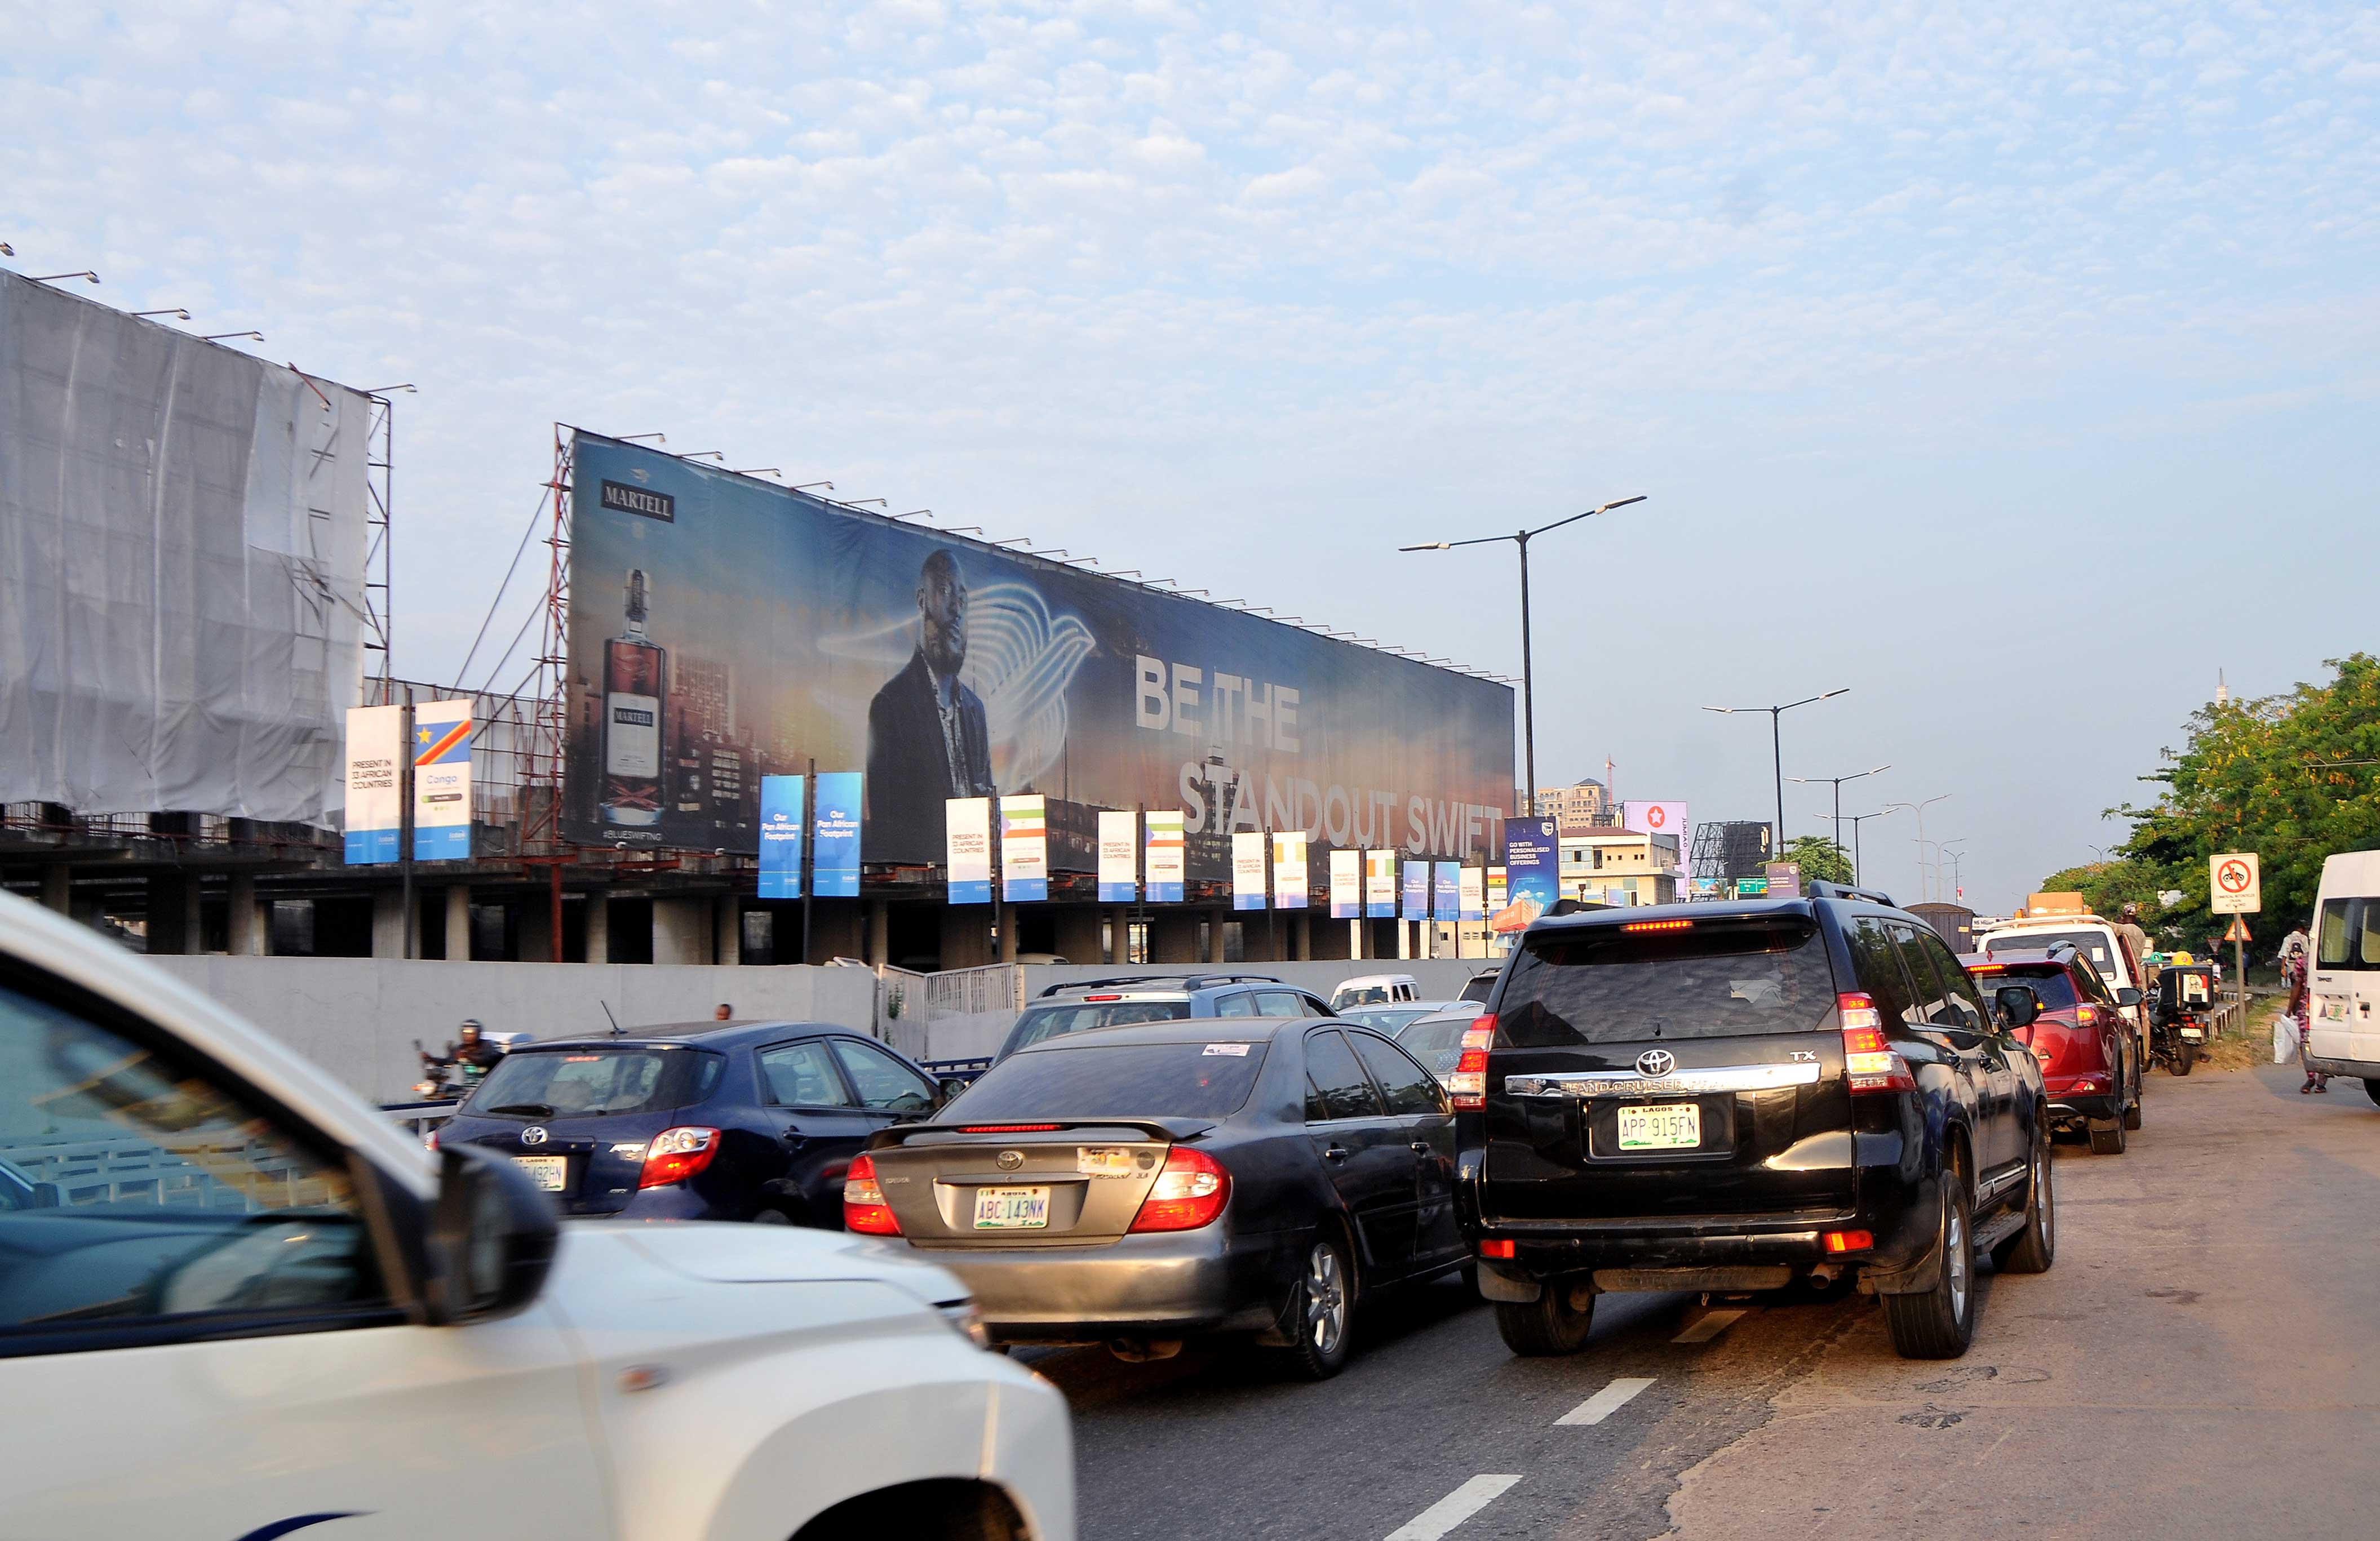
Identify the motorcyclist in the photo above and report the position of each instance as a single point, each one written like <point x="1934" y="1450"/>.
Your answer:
<point x="471" y="1053"/>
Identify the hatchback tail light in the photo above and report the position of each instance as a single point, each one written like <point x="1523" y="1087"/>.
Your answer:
<point x="1189" y="1193"/>
<point x="678" y="1154"/>
<point x="1468" y="1086"/>
<point x="864" y="1209"/>
<point x="1870" y="1063"/>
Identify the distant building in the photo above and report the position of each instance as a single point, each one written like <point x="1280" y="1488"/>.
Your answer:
<point x="1585" y="805"/>
<point x="1620" y="867"/>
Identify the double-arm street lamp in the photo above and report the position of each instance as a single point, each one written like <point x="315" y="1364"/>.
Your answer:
<point x="1857" y="819"/>
<point x="1777" y="740"/>
<point x="1919" y="809"/>
<point x="1836" y="782"/>
<point x="1528" y="677"/>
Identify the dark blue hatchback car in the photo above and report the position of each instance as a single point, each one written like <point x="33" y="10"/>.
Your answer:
<point x="747" y="1122"/>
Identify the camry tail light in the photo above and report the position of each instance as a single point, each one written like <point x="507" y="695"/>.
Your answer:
<point x="1468" y="1086"/>
<point x="864" y="1209"/>
<point x="678" y="1154"/>
<point x="1189" y="1193"/>
<point x="1870" y="1063"/>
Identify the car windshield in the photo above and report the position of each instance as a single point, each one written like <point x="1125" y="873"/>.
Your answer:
<point x="2053" y="984"/>
<point x="579" y="1083"/>
<point x="1041" y="1023"/>
<point x="2093" y="945"/>
<point x="1429" y="1035"/>
<point x="1386" y="1019"/>
<point x="1704" y="980"/>
<point x="1134" y="1080"/>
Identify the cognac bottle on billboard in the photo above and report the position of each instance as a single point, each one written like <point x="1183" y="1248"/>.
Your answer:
<point x="636" y="673"/>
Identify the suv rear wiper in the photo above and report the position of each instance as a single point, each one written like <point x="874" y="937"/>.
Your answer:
<point x="535" y="1109"/>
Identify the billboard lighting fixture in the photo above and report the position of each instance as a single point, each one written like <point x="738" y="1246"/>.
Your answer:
<point x="657" y="438"/>
<point x="61" y="277"/>
<point x="386" y="390"/>
<point x="720" y="455"/>
<point x="763" y="470"/>
<point x="223" y="336"/>
<point x="1015" y="541"/>
<point x="174" y="310"/>
<point x="1125" y="572"/>
<point x="967" y="529"/>
<point x="915" y="513"/>
<point x="7" y="251"/>
<point x="862" y="503"/>
<point x="807" y="486"/>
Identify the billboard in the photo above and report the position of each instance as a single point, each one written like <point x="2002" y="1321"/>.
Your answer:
<point x="441" y="780"/>
<point x="1024" y="848"/>
<point x="834" y="835"/>
<point x="1532" y="872"/>
<point x="966" y="849"/>
<point x="1119" y="858"/>
<point x="375" y="814"/>
<point x="1380" y="885"/>
<point x="782" y="827"/>
<point x="1289" y="882"/>
<point x="1346" y="885"/>
<point x="721" y="627"/>
<point x="1164" y="856"/>
<point x="1416" y="891"/>
<point x="1446" y="891"/>
<point x="1247" y="871"/>
<point x="1656" y="818"/>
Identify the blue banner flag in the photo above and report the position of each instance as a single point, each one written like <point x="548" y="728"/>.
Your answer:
<point x="1447" y="891"/>
<point x="1532" y="870"/>
<point x="1416" y="891"/>
<point x="834" y="862"/>
<point x="781" y="837"/>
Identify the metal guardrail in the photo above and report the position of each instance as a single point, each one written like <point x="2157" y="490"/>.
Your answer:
<point x="419" y="1118"/>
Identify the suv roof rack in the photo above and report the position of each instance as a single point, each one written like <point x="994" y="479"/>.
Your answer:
<point x="1186" y="981"/>
<point x="1821" y="889"/>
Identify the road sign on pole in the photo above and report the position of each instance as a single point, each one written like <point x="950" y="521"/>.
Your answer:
<point x="2234" y="883"/>
<point x="2238" y="931"/>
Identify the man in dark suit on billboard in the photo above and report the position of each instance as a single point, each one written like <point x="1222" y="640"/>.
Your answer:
<point x="926" y="735"/>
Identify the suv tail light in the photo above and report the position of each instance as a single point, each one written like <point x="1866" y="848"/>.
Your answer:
<point x="1468" y="1086"/>
<point x="2087" y="1016"/>
<point x="1189" y="1193"/>
<point x="864" y="1209"/>
<point x="678" y="1154"/>
<point x="1870" y="1063"/>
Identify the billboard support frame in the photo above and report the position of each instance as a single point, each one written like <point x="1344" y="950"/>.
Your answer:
<point x="549" y="731"/>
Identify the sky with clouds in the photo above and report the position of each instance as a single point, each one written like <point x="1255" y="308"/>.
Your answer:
<point x="2012" y="366"/>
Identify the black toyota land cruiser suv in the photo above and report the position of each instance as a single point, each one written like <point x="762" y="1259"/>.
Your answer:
<point x="1743" y="1096"/>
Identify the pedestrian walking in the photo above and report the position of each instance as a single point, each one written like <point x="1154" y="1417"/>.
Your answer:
<point x="2293" y="974"/>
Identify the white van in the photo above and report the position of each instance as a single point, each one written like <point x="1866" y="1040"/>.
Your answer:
<point x="1375" y="989"/>
<point x="2342" y="1027"/>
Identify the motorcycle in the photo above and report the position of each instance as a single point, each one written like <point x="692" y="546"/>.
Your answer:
<point x="445" y="1082"/>
<point x="2177" y="1027"/>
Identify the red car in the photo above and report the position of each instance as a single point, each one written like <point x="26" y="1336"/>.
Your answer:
<point x="2090" y="1061"/>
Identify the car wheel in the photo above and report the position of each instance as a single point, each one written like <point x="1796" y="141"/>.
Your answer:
<point x="1555" y="1323"/>
<point x="773" y="1217"/>
<point x="2033" y="1249"/>
<point x="2132" y="1111"/>
<point x="2185" y="1054"/>
<point x="2371" y="1088"/>
<point x="1321" y="1311"/>
<point x="1939" y="1323"/>
<point x="2107" y="1136"/>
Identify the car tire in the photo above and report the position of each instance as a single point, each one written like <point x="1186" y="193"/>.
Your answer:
<point x="2371" y="1088"/>
<point x="1322" y="1316"/>
<point x="2033" y="1249"/>
<point x="2107" y="1136"/>
<point x="771" y="1217"/>
<point x="1556" y="1323"/>
<point x="1940" y="1323"/>
<point x="2132" y="1112"/>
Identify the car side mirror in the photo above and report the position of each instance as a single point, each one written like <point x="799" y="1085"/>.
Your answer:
<point x="951" y="1087"/>
<point x="2019" y="1007"/>
<point x="492" y="1235"/>
<point x="2128" y="996"/>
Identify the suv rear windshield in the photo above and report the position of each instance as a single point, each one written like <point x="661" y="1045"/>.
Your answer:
<point x="1038" y="1023"/>
<point x="2094" y="945"/>
<point x="1134" y="1080"/>
<point x="2053" y="984"/>
<point x="1710" y="980"/>
<point x="593" y="1082"/>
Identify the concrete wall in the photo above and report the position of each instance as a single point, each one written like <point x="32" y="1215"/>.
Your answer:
<point x="1441" y="978"/>
<point x="358" y="1017"/>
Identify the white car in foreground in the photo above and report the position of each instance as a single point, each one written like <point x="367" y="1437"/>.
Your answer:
<point x="236" y="1303"/>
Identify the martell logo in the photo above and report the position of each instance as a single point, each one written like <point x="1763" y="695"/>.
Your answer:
<point x="637" y="500"/>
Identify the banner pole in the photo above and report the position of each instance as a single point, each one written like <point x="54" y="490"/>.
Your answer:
<point x="405" y="818"/>
<point x="1140" y="879"/>
<point x="808" y="871"/>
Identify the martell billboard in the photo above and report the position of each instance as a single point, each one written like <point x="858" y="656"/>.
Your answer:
<point x="721" y="628"/>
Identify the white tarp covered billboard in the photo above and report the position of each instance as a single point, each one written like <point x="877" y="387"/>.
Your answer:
<point x="182" y="541"/>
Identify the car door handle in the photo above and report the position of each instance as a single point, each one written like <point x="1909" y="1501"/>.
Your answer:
<point x="1336" y="1153"/>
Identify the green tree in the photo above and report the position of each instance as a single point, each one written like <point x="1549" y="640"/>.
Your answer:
<point x="1822" y="860"/>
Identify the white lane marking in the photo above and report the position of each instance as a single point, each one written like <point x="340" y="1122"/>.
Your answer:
<point x="1453" y="1510"/>
<point x="1604" y="1403"/>
<point x="1710" y="1325"/>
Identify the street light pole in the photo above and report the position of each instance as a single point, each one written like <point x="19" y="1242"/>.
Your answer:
<point x="1837" y="783"/>
<point x="1919" y="808"/>
<point x="1857" y="819"/>
<point x="1528" y="673"/>
<point x="1777" y="739"/>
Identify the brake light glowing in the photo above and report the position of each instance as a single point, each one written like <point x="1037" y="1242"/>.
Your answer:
<point x="678" y="1154"/>
<point x="1870" y="1063"/>
<point x="1481" y="1034"/>
<point x="1849" y="1241"/>
<point x="1656" y="926"/>
<point x="1189" y="1193"/>
<point x="1102" y="996"/>
<point x="864" y="1209"/>
<point x="1497" y="1249"/>
<point x="1008" y="1128"/>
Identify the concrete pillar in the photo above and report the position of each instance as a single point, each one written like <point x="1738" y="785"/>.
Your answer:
<point x="880" y="933"/>
<point x="1119" y="936"/>
<point x="599" y="929"/>
<point x="459" y="923"/>
<point x="533" y="935"/>
<point x="388" y="923"/>
<point x="681" y="930"/>
<point x="1301" y="939"/>
<point x="247" y="918"/>
<point x="1172" y="935"/>
<point x="1078" y="934"/>
<point x="57" y="888"/>
<point x="966" y="936"/>
<point x="1008" y="929"/>
<point x="173" y="913"/>
<point x="727" y="928"/>
<point x="1215" y="920"/>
